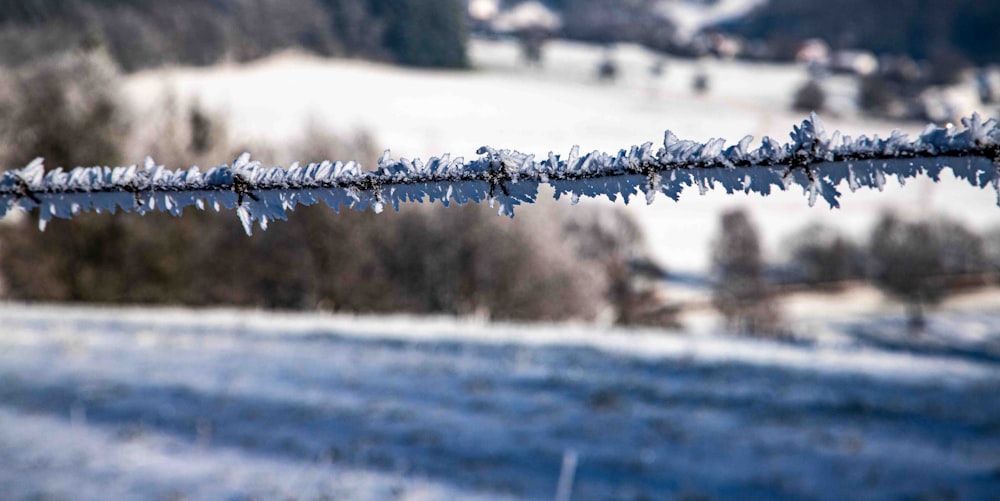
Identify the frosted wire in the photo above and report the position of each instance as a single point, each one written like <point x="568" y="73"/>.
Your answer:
<point x="819" y="163"/>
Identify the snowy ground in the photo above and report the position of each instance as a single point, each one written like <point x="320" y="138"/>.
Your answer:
<point x="504" y="104"/>
<point x="181" y="404"/>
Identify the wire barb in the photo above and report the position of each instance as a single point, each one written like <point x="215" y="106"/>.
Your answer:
<point x="23" y="190"/>
<point x="498" y="178"/>
<point x="242" y="189"/>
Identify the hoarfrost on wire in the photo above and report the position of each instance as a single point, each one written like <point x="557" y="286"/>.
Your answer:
<point x="818" y="163"/>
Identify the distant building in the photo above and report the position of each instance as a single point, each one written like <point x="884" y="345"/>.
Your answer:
<point x="527" y="16"/>
<point x="814" y="51"/>
<point x="856" y="62"/>
<point x="532" y="23"/>
<point x="948" y="104"/>
<point x="988" y="84"/>
<point x="484" y="11"/>
<point x="481" y="14"/>
<point x="724" y="46"/>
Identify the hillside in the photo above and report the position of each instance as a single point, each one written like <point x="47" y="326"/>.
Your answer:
<point x="920" y="28"/>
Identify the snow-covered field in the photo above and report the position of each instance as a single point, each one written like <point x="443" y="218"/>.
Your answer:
<point x="181" y="404"/>
<point x="220" y="404"/>
<point x="505" y="105"/>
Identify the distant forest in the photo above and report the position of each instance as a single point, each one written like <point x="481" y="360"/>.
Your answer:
<point x="149" y="33"/>
<point x="924" y="29"/>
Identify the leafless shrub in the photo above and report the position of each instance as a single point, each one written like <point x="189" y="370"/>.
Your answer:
<point x="810" y="97"/>
<point x="612" y="241"/>
<point x="65" y="107"/>
<point x="824" y="258"/>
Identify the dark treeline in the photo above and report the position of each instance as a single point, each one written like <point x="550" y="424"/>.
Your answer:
<point x="610" y="21"/>
<point x="459" y="261"/>
<point x="923" y="29"/>
<point x="149" y="33"/>
<point x="615" y="21"/>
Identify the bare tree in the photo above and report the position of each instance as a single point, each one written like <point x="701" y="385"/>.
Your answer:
<point x="921" y="262"/>
<point x="740" y="292"/>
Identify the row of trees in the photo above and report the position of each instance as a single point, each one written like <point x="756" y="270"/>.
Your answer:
<point x="149" y="33"/>
<point x="546" y="265"/>
<point x="918" y="262"/>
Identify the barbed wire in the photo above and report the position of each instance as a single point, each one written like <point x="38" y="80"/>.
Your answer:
<point x="817" y="162"/>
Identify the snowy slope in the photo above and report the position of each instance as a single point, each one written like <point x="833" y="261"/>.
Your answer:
<point x="141" y="404"/>
<point x="690" y="16"/>
<point x="423" y="113"/>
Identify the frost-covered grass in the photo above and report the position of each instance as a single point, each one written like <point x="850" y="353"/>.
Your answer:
<point x="140" y="404"/>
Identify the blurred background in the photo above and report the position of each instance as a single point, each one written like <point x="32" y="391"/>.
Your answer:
<point x="723" y="346"/>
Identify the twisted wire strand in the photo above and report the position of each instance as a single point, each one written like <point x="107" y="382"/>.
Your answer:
<point x="817" y="162"/>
